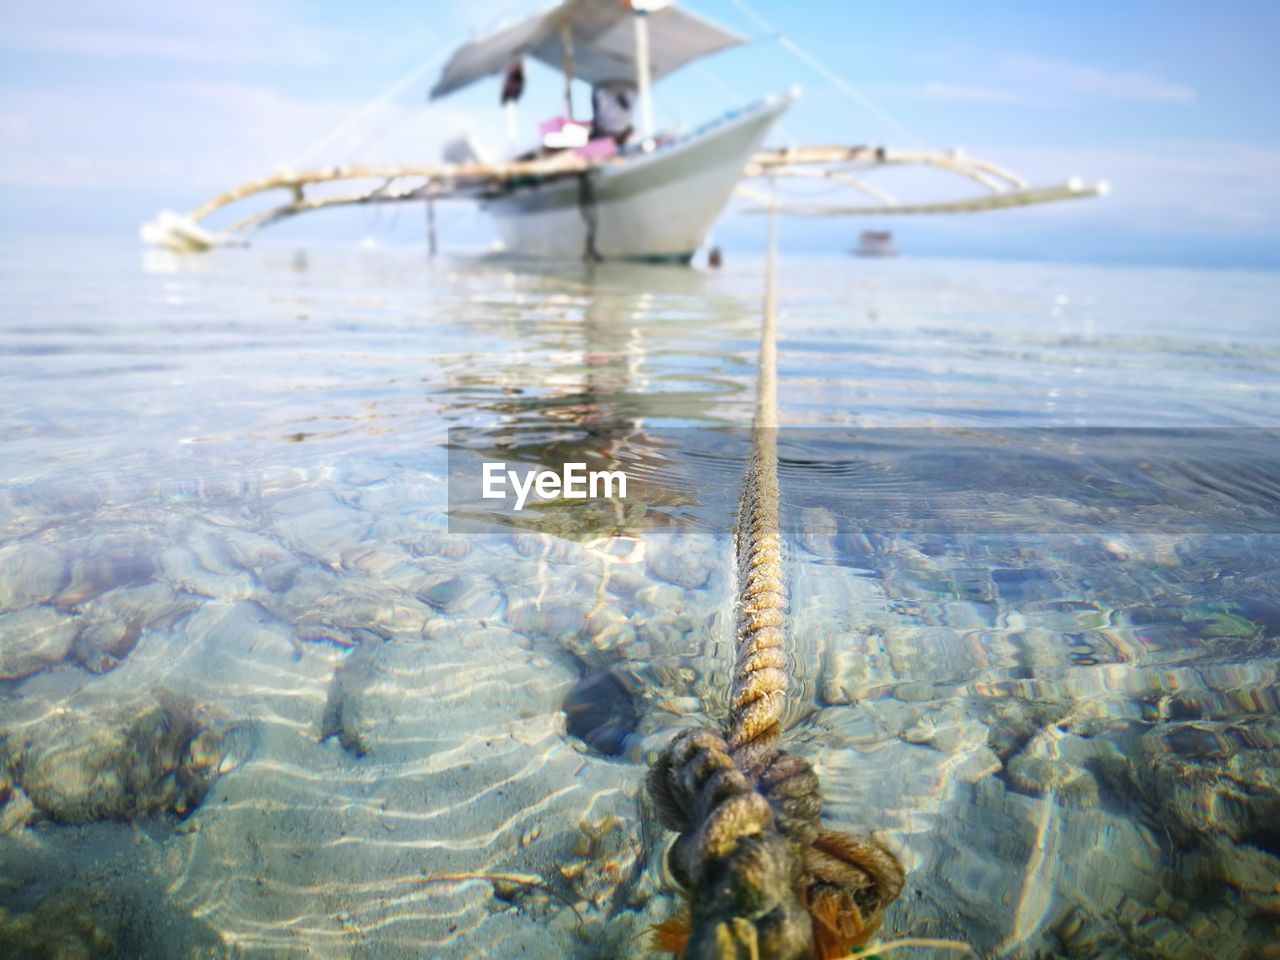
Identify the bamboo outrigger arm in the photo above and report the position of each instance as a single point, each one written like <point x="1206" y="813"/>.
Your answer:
<point x="1072" y="190"/>
<point x="779" y="162"/>
<point x="385" y="194"/>
<point x="456" y="173"/>
<point x="837" y="164"/>
<point x="186" y="234"/>
<point x="445" y="181"/>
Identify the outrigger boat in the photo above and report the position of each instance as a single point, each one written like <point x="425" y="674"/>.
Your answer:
<point x="609" y="190"/>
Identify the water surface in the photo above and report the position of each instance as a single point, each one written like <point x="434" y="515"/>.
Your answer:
<point x="258" y="701"/>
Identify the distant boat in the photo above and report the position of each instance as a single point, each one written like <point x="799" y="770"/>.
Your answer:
<point x="875" y="243"/>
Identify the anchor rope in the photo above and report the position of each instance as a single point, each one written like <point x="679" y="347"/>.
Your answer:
<point x="764" y="880"/>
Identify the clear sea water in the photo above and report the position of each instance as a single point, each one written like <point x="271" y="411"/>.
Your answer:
<point x="223" y="507"/>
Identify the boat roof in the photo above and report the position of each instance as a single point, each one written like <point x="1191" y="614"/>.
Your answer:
<point x="603" y="43"/>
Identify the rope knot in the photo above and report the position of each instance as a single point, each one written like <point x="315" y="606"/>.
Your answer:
<point x="729" y="856"/>
<point x="846" y="883"/>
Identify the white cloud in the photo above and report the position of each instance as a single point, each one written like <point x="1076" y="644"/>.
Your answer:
<point x="1042" y="82"/>
<point x="230" y="32"/>
<point x="194" y="138"/>
<point x="952" y="92"/>
<point x="240" y="33"/>
<point x="13" y="128"/>
<point x="1078" y="80"/>
<point x="160" y="119"/>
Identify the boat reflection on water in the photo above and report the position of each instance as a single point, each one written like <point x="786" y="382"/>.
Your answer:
<point x="601" y="403"/>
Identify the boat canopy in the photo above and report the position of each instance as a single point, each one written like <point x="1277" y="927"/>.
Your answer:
<point x="601" y="43"/>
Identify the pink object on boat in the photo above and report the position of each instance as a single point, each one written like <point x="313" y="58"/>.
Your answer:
<point x="559" y="133"/>
<point x="602" y="148"/>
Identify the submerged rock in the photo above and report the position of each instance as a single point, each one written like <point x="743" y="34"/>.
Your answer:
<point x="107" y="563"/>
<point x="244" y="630"/>
<point x="441" y="545"/>
<point x="182" y="570"/>
<point x="463" y="595"/>
<point x="61" y="927"/>
<point x="30" y="574"/>
<point x="101" y="646"/>
<point x="323" y="606"/>
<point x="601" y="711"/>
<point x="343" y="717"/>
<point x="157" y="755"/>
<point x="558" y="616"/>
<point x="82" y="909"/>
<point x="1013" y="723"/>
<point x="112" y="623"/>
<point x="32" y="639"/>
<point x="317" y="526"/>
<point x="684" y="562"/>
<point x="606" y="855"/>
<point x="1215" y="778"/>
<point x="16" y="809"/>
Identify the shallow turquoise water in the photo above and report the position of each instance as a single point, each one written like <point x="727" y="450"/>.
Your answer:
<point x="224" y="480"/>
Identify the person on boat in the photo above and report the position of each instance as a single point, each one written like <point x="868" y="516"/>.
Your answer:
<point x="513" y="82"/>
<point x="611" y="105"/>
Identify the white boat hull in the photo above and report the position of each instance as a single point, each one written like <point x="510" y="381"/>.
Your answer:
<point x="654" y="206"/>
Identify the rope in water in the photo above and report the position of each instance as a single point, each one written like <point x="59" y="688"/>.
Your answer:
<point x="763" y="879"/>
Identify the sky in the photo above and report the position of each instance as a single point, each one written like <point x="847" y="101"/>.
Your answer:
<point x="110" y="112"/>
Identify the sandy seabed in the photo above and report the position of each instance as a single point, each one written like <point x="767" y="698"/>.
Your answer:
<point x="326" y="735"/>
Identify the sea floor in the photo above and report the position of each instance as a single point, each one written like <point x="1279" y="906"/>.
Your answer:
<point x="257" y="700"/>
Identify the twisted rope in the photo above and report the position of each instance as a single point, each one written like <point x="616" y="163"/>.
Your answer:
<point x="763" y="879"/>
<point x="759" y="691"/>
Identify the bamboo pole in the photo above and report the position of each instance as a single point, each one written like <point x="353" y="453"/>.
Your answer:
<point x="431" y="224"/>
